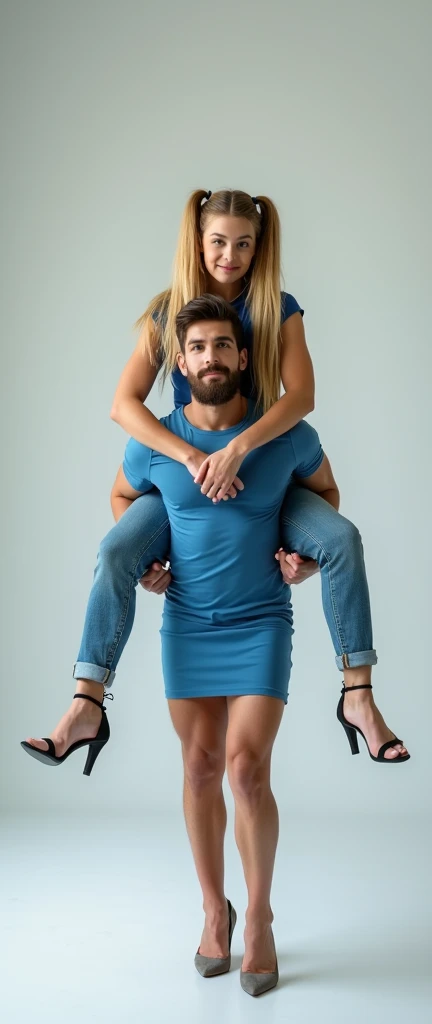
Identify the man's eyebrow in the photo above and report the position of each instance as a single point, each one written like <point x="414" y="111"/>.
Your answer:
<point x="217" y="234"/>
<point x="219" y="337"/>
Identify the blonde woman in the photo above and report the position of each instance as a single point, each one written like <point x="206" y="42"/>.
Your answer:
<point x="229" y="246"/>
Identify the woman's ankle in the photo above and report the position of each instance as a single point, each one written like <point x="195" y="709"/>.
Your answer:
<point x="90" y="689"/>
<point x="361" y="676"/>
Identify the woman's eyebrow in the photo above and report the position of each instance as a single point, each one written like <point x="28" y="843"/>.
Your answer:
<point x="217" y="234"/>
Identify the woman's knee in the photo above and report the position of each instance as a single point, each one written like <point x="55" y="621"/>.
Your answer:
<point x="248" y="774"/>
<point x="203" y="768"/>
<point x="114" y="554"/>
<point x="345" y="540"/>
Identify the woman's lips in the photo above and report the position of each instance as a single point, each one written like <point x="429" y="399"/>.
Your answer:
<point x="228" y="270"/>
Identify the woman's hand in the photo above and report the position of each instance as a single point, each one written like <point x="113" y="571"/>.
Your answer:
<point x="202" y="468"/>
<point x="218" y="474"/>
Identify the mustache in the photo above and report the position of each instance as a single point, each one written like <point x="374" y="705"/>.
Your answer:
<point x="212" y="369"/>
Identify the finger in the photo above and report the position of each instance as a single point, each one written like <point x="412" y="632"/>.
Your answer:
<point x="238" y="483"/>
<point x="157" y="565"/>
<point x="288" y="560"/>
<point x="163" y="584"/>
<point x="199" y="478"/>
<point x="222" y="496"/>
<point x="211" y="491"/>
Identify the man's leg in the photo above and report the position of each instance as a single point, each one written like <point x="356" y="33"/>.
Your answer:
<point x="253" y="722"/>
<point x="200" y="724"/>
<point x="312" y="528"/>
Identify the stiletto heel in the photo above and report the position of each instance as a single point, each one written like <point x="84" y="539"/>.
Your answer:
<point x="94" y="751"/>
<point x="352" y="738"/>
<point x="95" y="744"/>
<point x="352" y="730"/>
<point x="211" y="966"/>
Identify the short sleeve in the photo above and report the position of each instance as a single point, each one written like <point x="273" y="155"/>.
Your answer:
<point x="308" y="452"/>
<point x="289" y="305"/>
<point x="137" y="465"/>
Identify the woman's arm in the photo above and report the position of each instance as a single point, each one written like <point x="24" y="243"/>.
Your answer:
<point x="297" y="377"/>
<point x="128" y="410"/>
<point x="298" y="381"/>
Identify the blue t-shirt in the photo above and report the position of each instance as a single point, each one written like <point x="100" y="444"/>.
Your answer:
<point x="222" y="556"/>
<point x="289" y="305"/>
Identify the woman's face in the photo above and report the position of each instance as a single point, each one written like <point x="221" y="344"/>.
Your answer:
<point x="228" y="245"/>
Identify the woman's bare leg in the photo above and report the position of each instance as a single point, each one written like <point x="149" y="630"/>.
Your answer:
<point x="200" y="724"/>
<point x="253" y="722"/>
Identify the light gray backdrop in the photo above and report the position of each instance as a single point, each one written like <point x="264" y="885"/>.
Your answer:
<point x="113" y="113"/>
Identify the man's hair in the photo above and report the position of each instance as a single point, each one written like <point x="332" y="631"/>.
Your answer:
<point x="208" y="307"/>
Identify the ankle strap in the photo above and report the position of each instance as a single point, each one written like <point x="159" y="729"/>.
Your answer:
<point x="86" y="696"/>
<point x="361" y="686"/>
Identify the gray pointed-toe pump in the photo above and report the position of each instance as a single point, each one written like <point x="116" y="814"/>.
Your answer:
<point x="256" y="984"/>
<point x="211" y="966"/>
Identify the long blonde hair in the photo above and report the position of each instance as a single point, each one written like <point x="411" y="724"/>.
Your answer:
<point x="157" y="324"/>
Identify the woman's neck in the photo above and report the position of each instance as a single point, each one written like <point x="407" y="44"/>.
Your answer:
<point x="226" y="291"/>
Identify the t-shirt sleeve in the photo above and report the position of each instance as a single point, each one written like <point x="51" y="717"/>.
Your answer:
<point x="307" y="448"/>
<point x="137" y="465"/>
<point x="289" y="305"/>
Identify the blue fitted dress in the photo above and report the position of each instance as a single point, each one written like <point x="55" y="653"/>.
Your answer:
<point x="227" y="619"/>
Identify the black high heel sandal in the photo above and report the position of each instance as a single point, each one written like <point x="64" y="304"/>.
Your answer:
<point x="95" y="745"/>
<point x="352" y="730"/>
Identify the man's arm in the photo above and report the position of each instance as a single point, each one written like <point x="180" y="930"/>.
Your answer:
<point x="122" y="495"/>
<point x="323" y="483"/>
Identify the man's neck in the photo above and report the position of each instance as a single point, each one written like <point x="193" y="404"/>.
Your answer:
<point x="216" y="417"/>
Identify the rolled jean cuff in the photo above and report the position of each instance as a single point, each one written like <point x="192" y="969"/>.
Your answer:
<point x="96" y="673"/>
<point x="356" y="660"/>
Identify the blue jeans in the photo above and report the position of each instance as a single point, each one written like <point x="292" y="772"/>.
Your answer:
<point x="309" y="525"/>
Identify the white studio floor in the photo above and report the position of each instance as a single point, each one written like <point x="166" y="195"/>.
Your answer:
<point x="101" y="920"/>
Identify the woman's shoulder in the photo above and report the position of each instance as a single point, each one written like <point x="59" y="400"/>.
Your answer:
<point x="289" y="305"/>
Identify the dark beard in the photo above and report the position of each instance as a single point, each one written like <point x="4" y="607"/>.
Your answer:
<point x="215" y="392"/>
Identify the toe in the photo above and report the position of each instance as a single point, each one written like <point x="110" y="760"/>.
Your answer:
<point x="39" y="744"/>
<point x="391" y="753"/>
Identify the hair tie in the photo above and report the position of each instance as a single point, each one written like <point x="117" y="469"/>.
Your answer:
<point x="255" y="200"/>
<point x="207" y="195"/>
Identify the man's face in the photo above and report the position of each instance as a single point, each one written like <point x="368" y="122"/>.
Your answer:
<point x="212" y="362"/>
